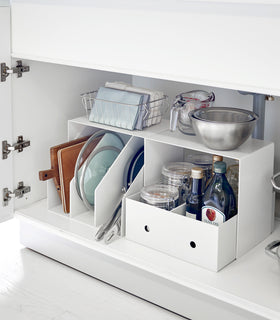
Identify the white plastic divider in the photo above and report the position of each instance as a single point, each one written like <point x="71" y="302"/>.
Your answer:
<point x="135" y="187"/>
<point x="181" y="210"/>
<point x="109" y="192"/>
<point x="190" y="240"/>
<point x="53" y="199"/>
<point x="76" y="204"/>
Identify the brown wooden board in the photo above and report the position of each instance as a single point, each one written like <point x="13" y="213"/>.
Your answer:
<point x="54" y="172"/>
<point x="67" y="158"/>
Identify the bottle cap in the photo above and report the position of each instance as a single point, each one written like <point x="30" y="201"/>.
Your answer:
<point x="220" y="167"/>
<point x="197" y="173"/>
<point x="217" y="158"/>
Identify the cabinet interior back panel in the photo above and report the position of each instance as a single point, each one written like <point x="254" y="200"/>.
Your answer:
<point x="44" y="99"/>
<point x="229" y="45"/>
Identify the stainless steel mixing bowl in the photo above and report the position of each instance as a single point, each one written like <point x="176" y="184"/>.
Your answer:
<point x="222" y="128"/>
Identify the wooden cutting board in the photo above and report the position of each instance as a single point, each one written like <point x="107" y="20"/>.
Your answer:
<point x="53" y="173"/>
<point x="67" y="158"/>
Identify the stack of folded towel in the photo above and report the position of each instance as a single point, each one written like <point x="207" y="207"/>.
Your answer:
<point x="154" y="105"/>
<point x="121" y="105"/>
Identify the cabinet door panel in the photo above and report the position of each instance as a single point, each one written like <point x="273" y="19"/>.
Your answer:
<point x="6" y="165"/>
<point x="230" y="45"/>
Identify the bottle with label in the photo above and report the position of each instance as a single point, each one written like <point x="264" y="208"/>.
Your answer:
<point x="219" y="204"/>
<point x="194" y="199"/>
<point x="216" y="158"/>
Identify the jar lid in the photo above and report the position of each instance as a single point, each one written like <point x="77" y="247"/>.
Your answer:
<point x="197" y="173"/>
<point x="177" y="170"/>
<point x="200" y="159"/>
<point x="220" y="167"/>
<point x="159" y="193"/>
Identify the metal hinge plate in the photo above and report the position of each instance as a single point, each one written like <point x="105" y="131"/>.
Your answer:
<point x="19" y="146"/>
<point x="19" y="69"/>
<point x="18" y="193"/>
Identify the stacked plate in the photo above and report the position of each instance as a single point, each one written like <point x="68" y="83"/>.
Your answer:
<point x="94" y="161"/>
<point x="133" y="166"/>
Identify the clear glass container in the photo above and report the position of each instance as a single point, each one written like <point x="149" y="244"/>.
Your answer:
<point x="160" y="195"/>
<point x="232" y="175"/>
<point x="204" y="161"/>
<point x="178" y="175"/>
<point x="186" y="102"/>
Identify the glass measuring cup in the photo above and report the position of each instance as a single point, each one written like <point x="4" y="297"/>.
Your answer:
<point x="186" y="102"/>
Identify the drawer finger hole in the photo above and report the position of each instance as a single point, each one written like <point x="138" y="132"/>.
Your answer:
<point x="147" y="228"/>
<point x="193" y="244"/>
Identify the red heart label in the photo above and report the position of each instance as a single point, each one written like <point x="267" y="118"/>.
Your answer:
<point x="211" y="214"/>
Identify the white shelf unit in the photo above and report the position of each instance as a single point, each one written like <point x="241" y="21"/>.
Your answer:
<point x="253" y="223"/>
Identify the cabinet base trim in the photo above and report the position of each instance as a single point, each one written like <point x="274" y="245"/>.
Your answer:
<point x="130" y="278"/>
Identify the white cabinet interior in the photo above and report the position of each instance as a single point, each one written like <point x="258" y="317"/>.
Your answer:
<point x="54" y="103"/>
<point x="47" y="97"/>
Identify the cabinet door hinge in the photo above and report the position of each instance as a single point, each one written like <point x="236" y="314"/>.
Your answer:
<point x="19" y="146"/>
<point x="17" y="193"/>
<point x="19" y="69"/>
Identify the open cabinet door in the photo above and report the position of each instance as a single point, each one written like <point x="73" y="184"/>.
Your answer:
<point x="6" y="167"/>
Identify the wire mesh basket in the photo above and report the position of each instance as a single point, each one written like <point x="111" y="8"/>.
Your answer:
<point x="124" y="115"/>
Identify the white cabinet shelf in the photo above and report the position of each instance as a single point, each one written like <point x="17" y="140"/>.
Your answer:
<point x="161" y="133"/>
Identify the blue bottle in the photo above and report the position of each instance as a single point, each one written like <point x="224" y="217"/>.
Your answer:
<point x="194" y="199"/>
<point x="219" y="204"/>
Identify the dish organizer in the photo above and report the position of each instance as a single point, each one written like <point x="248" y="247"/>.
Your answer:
<point x="172" y="233"/>
<point x="153" y="111"/>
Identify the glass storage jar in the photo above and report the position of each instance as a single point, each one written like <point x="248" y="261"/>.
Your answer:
<point x="204" y="161"/>
<point x="161" y="196"/>
<point x="178" y="175"/>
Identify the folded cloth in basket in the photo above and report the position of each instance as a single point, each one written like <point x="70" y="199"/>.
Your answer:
<point x="116" y="108"/>
<point x="154" y="107"/>
<point x="143" y="112"/>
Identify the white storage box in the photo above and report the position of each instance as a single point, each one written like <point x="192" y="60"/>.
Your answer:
<point x="170" y="232"/>
<point x="205" y="245"/>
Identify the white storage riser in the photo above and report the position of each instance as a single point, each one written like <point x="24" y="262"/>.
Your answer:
<point x="196" y="242"/>
<point x="215" y="247"/>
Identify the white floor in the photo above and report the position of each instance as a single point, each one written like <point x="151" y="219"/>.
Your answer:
<point x="34" y="287"/>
